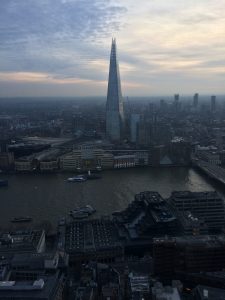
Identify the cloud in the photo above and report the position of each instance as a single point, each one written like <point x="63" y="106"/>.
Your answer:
<point x="55" y="20"/>
<point x="68" y="41"/>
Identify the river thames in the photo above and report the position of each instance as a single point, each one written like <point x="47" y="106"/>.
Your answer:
<point x="47" y="197"/>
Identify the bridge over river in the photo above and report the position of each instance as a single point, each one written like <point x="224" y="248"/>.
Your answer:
<point x="213" y="171"/>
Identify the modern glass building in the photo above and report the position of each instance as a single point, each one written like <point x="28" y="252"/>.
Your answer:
<point x="114" y="104"/>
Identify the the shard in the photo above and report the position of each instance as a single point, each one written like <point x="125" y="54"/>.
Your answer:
<point x="114" y="104"/>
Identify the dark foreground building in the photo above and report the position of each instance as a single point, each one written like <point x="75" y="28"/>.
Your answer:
<point x="208" y="206"/>
<point x="46" y="287"/>
<point x="189" y="254"/>
<point x="95" y="240"/>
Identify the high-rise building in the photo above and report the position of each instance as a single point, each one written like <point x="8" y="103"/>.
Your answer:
<point x="176" y="102"/>
<point x="134" y="120"/>
<point x="213" y="103"/>
<point x="195" y="100"/>
<point x="114" y="105"/>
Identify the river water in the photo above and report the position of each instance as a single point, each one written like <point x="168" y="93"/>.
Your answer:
<point x="47" y="197"/>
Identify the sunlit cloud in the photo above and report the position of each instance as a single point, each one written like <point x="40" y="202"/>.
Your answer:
<point x="30" y="77"/>
<point x="174" y="43"/>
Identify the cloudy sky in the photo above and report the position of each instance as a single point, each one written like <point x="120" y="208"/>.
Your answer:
<point x="62" y="47"/>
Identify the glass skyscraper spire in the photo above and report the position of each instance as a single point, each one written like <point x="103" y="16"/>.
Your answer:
<point x="114" y="104"/>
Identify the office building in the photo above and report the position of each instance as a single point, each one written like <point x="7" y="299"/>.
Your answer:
<point x="135" y="119"/>
<point x="92" y="240"/>
<point x="27" y="241"/>
<point x="189" y="254"/>
<point x="195" y="101"/>
<point x="114" y="104"/>
<point x="176" y="103"/>
<point x="45" y="287"/>
<point x="213" y="103"/>
<point x="208" y="206"/>
<point x="148" y="215"/>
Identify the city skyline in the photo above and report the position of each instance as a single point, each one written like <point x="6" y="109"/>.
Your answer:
<point x="60" y="48"/>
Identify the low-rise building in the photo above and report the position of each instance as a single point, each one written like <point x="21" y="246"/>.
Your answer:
<point x="51" y="165"/>
<point x="28" y="241"/>
<point x="45" y="287"/>
<point x="106" y="161"/>
<point x="202" y="292"/>
<point x="92" y="240"/>
<point x="23" y="165"/>
<point x="71" y="161"/>
<point x="209" y="156"/>
<point x="124" y="161"/>
<point x="139" y="286"/>
<point x="6" y="161"/>
<point x="159" y="292"/>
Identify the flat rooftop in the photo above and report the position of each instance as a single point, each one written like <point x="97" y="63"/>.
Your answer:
<point x="201" y="240"/>
<point x="19" y="241"/>
<point x="95" y="235"/>
<point x="42" y="288"/>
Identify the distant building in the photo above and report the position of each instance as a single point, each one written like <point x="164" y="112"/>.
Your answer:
<point x="175" y="153"/>
<point x="6" y="157"/>
<point x="86" y="159"/>
<point x="195" y="101"/>
<point x="180" y="152"/>
<point x="24" y="165"/>
<point x="213" y="103"/>
<point x="209" y="156"/>
<point x="124" y="161"/>
<point x="162" y="106"/>
<point x="4" y="145"/>
<point x="144" y="132"/>
<point x="48" y="166"/>
<point x="106" y="161"/>
<point x="6" y="161"/>
<point x="176" y="103"/>
<point x="135" y="119"/>
<point x="114" y="104"/>
<point x="71" y="161"/>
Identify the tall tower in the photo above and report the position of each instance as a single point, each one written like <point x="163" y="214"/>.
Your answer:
<point x="213" y="103"/>
<point x="195" y="100"/>
<point x="114" y="104"/>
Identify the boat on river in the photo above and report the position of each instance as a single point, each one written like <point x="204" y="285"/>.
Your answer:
<point x="21" y="219"/>
<point x="79" y="215"/>
<point x="84" y="209"/>
<point x="78" y="178"/>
